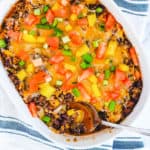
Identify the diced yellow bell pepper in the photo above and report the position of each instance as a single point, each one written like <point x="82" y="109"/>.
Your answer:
<point x="30" y="68"/>
<point x="71" y="112"/>
<point x="91" y="19"/>
<point x="56" y="6"/>
<point x="70" y="67"/>
<point x="80" y="116"/>
<point x="124" y="67"/>
<point x="82" y="50"/>
<point x="46" y="90"/>
<point x="93" y="79"/>
<point x="73" y="17"/>
<point x="21" y="75"/>
<point x="29" y="38"/>
<point x="96" y="90"/>
<point x="41" y="39"/>
<point x="90" y="1"/>
<point x="8" y="52"/>
<point x="68" y="27"/>
<point x="112" y="46"/>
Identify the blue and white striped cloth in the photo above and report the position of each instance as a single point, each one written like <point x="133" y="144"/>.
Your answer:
<point x="16" y="134"/>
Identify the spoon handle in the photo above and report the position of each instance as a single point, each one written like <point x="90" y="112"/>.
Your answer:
<point x="125" y="127"/>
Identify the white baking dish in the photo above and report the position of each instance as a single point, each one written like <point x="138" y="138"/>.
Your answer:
<point x="87" y="141"/>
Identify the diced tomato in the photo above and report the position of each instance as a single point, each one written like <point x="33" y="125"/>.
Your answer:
<point x="110" y="22"/>
<point x="85" y="74"/>
<point x="83" y="91"/>
<point x="101" y="77"/>
<point x="66" y="86"/>
<point x="127" y="82"/>
<point x="33" y="109"/>
<point x="58" y="58"/>
<point x="134" y="56"/>
<point x="100" y="51"/>
<point x="75" y="38"/>
<point x="16" y="36"/>
<point x="22" y="54"/>
<point x="31" y="20"/>
<point x="68" y="75"/>
<point x="62" y="12"/>
<point x="53" y="42"/>
<point x="76" y="9"/>
<point x="114" y="94"/>
<point x="82" y="22"/>
<point x="60" y="68"/>
<point x="50" y="16"/>
<point x="120" y="75"/>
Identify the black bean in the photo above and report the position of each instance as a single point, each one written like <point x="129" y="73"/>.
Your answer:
<point x="56" y="124"/>
<point x="102" y="115"/>
<point x="76" y="2"/>
<point x="68" y="97"/>
<point x="77" y="129"/>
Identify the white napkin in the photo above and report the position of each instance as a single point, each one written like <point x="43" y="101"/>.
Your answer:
<point x="16" y="131"/>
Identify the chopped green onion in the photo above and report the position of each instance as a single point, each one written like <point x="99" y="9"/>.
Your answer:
<point x="95" y="43"/>
<point x="107" y="74"/>
<point x="43" y="20"/>
<point x="112" y="68"/>
<point x="45" y="8"/>
<point x="66" y="39"/>
<point x="55" y="22"/>
<point x="21" y="63"/>
<point x="87" y="57"/>
<point x="2" y="43"/>
<point x="112" y="106"/>
<point x="46" y="119"/>
<point x="67" y="52"/>
<point x="44" y="26"/>
<point x="58" y="32"/>
<point x="105" y="82"/>
<point x="76" y="92"/>
<point x="37" y="12"/>
<point x="85" y="65"/>
<point x="59" y="82"/>
<point x="32" y="32"/>
<point x="99" y="10"/>
<point x="102" y="27"/>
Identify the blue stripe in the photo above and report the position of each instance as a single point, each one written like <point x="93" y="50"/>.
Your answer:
<point x="22" y="128"/>
<point x="133" y="13"/>
<point x="130" y="6"/>
<point x="31" y="139"/>
<point x="128" y="137"/>
<point x="16" y="120"/>
<point x="127" y="144"/>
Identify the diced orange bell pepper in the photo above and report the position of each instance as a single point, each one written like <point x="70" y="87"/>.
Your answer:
<point x="100" y="51"/>
<point x="134" y="56"/>
<point x="58" y="58"/>
<point x="75" y="38"/>
<point x="62" y="12"/>
<point x="83" y="91"/>
<point x="82" y="22"/>
<point x="110" y="22"/>
<point x="22" y="54"/>
<point x="15" y="35"/>
<point x="85" y="74"/>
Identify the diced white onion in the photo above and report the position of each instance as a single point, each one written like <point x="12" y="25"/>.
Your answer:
<point x="37" y="62"/>
<point x="65" y="39"/>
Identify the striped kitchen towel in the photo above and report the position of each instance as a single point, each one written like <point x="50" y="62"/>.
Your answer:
<point x="18" y="134"/>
